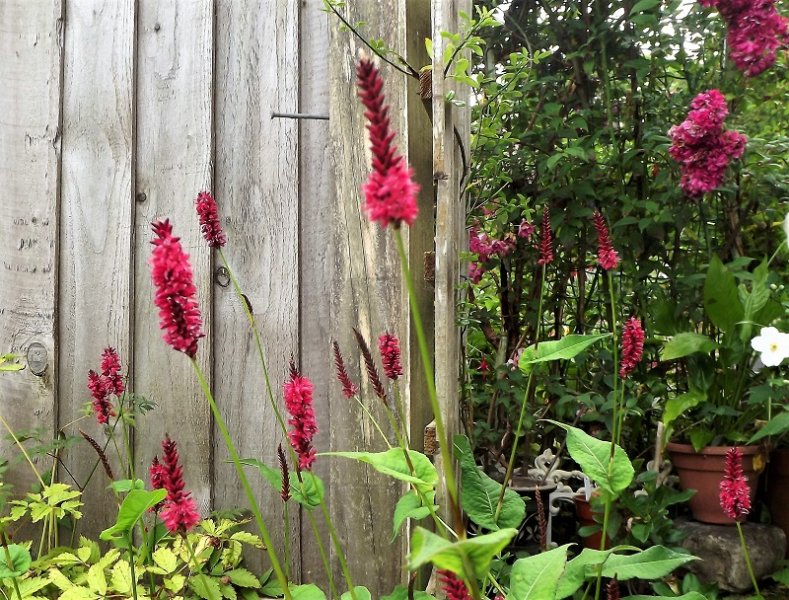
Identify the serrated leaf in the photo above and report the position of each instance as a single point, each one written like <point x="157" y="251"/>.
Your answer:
<point x="175" y="582"/>
<point x="566" y="348"/>
<point x="248" y="538"/>
<point x="243" y="578"/>
<point x="536" y="577"/>
<point x="206" y="587"/>
<point x="20" y="562"/>
<point x="78" y="593"/>
<point x="96" y="580"/>
<point x="166" y="559"/>
<point x="121" y="577"/>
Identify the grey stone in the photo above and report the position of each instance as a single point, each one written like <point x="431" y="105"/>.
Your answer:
<point x="720" y="553"/>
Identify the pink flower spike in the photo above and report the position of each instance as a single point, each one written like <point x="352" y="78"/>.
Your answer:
<point x="390" y="192"/>
<point x="607" y="256"/>
<point x="454" y="588"/>
<point x="546" y="238"/>
<point x="389" y="347"/>
<point x="298" y="402"/>
<point x="111" y="370"/>
<point x="102" y="407"/>
<point x="632" y="346"/>
<point x="180" y="512"/>
<point x="735" y="495"/>
<point x="210" y="225"/>
<point x="175" y="291"/>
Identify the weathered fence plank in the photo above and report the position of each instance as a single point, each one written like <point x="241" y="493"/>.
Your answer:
<point x="175" y="43"/>
<point x="97" y="212"/>
<point x="31" y="49"/>
<point x="257" y="190"/>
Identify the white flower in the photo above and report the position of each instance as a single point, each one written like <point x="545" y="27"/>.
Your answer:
<point x="772" y="345"/>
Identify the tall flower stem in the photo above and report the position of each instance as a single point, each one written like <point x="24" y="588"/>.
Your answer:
<point x="374" y="421"/>
<point x="747" y="559"/>
<point x="130" y="542"/>
<point x="22" y="449"/>
<point x="338" y="549"/>
<point x="285" y="524"/>
<point x="323" y="555"/>
<point x="253" y="505"/>
<point x="524" y="404"/>
<point x="441" y="434"/>
<point x="9" y="562"/>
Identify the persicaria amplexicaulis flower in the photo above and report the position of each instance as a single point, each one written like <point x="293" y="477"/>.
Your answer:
<point x="157" y="474"/>
<point x="546" y="238"/>
<point x="284" y="491"/>
<point x="349" y="388"/>
<point x="607" y="256"/>
<point x="175" y="291"/>
<point x="632" y="346"/>
<point x="390" y="192"/>
<point x="369" y="364"/>
<point x="111" y="370"/>
<point x="735" y="495"/>
<point x="701" y="146"/>
<point x="389" y="347"/>
<point x="179" y="513"/>
<point x="298" y="402"/>
<point x="454" y="588"/>
<point x="106" y="384"/>
<point x="210" y="226"/>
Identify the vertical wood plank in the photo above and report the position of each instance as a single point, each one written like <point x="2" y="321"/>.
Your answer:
<point x="174" y="161"/>
<point x="31" y="50"/>
<point x="316" y="255"/>
<point x="450" y="211"/>
<point x="257" y="191"/>
<point x="96" y="224"/>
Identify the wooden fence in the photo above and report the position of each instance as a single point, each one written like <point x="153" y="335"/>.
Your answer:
<point x="115" y="113"/>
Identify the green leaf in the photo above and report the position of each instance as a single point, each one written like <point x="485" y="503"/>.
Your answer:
<point x="593" y="455"/>
<point x="126" y="485"/>
<point x="576" y="569"/>
<point x="308" y="591"/>
<point x="134" y="506"/>
<point x="568" y="347"/>
<point x="270" y="474"/>
<point x="401" y="593"/>
<point x="653" y="563"/>
<point x="688" y="596"/>
<point x="480" y="494"/>
<point x="243" y="578"/>
<point x="536" y="577"/>
<point x="427" y="547"/>
<point x="721" y="298"/>
<point x="676" y="407"/>
<point x="206" y="587"/>
<point x="684" y="344"/>
<point x="309" y="491"/>
<point x="410" y="507"/>
<point x="165" y="559"/>
<point x="778" y="425"/>
<point x="393" y="463"/>
<point x="644" y="5"/>
<point x="96" y="580"/>
<point x="20" y="562"/>
<point x="361" y="593"/>
<point x="77" y="593"/>
<point x="781" y="576"/>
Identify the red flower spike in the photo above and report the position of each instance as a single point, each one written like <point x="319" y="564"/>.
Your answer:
<point x="735" y="495"/>
<point x="176" y="294"/>
<point x="632" y="346"/>
<point x="349" y="388"/>
<point x="157" y="474"/>
<point x="389" y="347"/>
<point x="102" y="407"/>
<point x="180" y="510"/>
<point x="390" y="192"/>
<point x="607" y="256"/>
<point x="210" y="226"/>
<point x="454" y="588"/>
<point x="546" y="238"/>
<point x="111" y="370"/>
<point x="298" y="402"/>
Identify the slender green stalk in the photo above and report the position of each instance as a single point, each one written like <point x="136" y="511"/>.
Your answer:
<point x="441" y="434"/>
<point x="131" y="565"/>
<point x="127" y="447"/>
<point x="338" y="549"/>
<point x="253" y="505"/>
<point x="285" y="525"/>
<point x="193" y="558"/>
<point x="322" y="552"/>
<point x="747" y="559"/>
<point x="374" y="421"/>
<point x="22" y="449"/>
<point x="9" y="562"/>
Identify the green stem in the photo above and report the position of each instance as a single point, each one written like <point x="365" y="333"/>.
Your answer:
<point x="9" y="562"/>
<point x="338" y="549"/>
<point x="127" y="447"/>
<point x="441" y="434"/>
<point x="22" y="448"/>
<point x="193" y="557"/>
<point x="747" y="559"/>
<point x="374" y="421"/>
<point x="131" y="565"/>
<point x="253" y="505"/>
<point x="322" y="552"/>
<point x="286" y="535"/>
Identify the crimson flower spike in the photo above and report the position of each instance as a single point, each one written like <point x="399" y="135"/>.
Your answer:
<point x="210" y="226"/>
<point x="454" y="588"/>
<point x="632" y="346"/>
<point x="298" y="402"/>
<point x="111" y="370"/>
<point x="546" y="238"/>
<point x="390" y="192"/>
<point x="176" y="294"/>
<point x="180" y="513"/>
<point x="389" y="347"/>
<point x="99" y="389"/>
<point x="607" y="256"/>
<point x="735" y="495"/>
<point x="349" y="388"/>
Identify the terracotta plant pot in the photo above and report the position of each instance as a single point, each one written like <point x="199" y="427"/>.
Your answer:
<point x="703" y="471"/>
<point x="778" y="489"/>
<point x="585" y="514"/>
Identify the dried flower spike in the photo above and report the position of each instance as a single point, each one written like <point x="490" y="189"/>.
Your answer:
<point x="349" y="388"/>
<point x="612" y="590"/>
<point x="735" y="495"/>
<point x="607" y="256"/>
<point x="176" y="294"/>
<point x="389" y="347"/>
<point x="372" y="372"/>
<point x="180" y="513"/>
<point x="298" y="402"/>
<point x="101" y="454"/>
<point x="283" y="467"/>
<point x="546" y="238"/>
<point x="390" y="192"/>
<point x="632" y="346"/>
<point x="210" y="226"/>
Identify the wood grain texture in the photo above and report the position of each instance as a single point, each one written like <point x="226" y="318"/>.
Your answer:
<point x="450" y="211"/>
<point x="174" y="158"/>
<point x="257" y="190"/>
<point x="316" y="256"/>
<point x="31" y="50"/>
<point x="96" y="224"/>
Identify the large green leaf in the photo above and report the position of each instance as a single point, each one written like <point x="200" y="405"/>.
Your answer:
<point x="427" y="547"/>
<point x="307" y="491"/>
<point x="537" y="577"/>
<point x="684" y="344"/>
<point x="20" y="562"/>
<point x="721" y="298"/>
<point x="652" y="563"/>
<point x="576" y="569"/>
<point x="480" y="494"/>
<point x="410" y="506"/>
<point x="676" y="407"/>
<point x="593" y="455"/>
<point x="308" y="591"/>
<point x="361" y="593"/>
<point x="392" y="462"/>
<point x="778" y="425"/>
<point x="134" y="506"/>
<point x="568" y="347"/>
